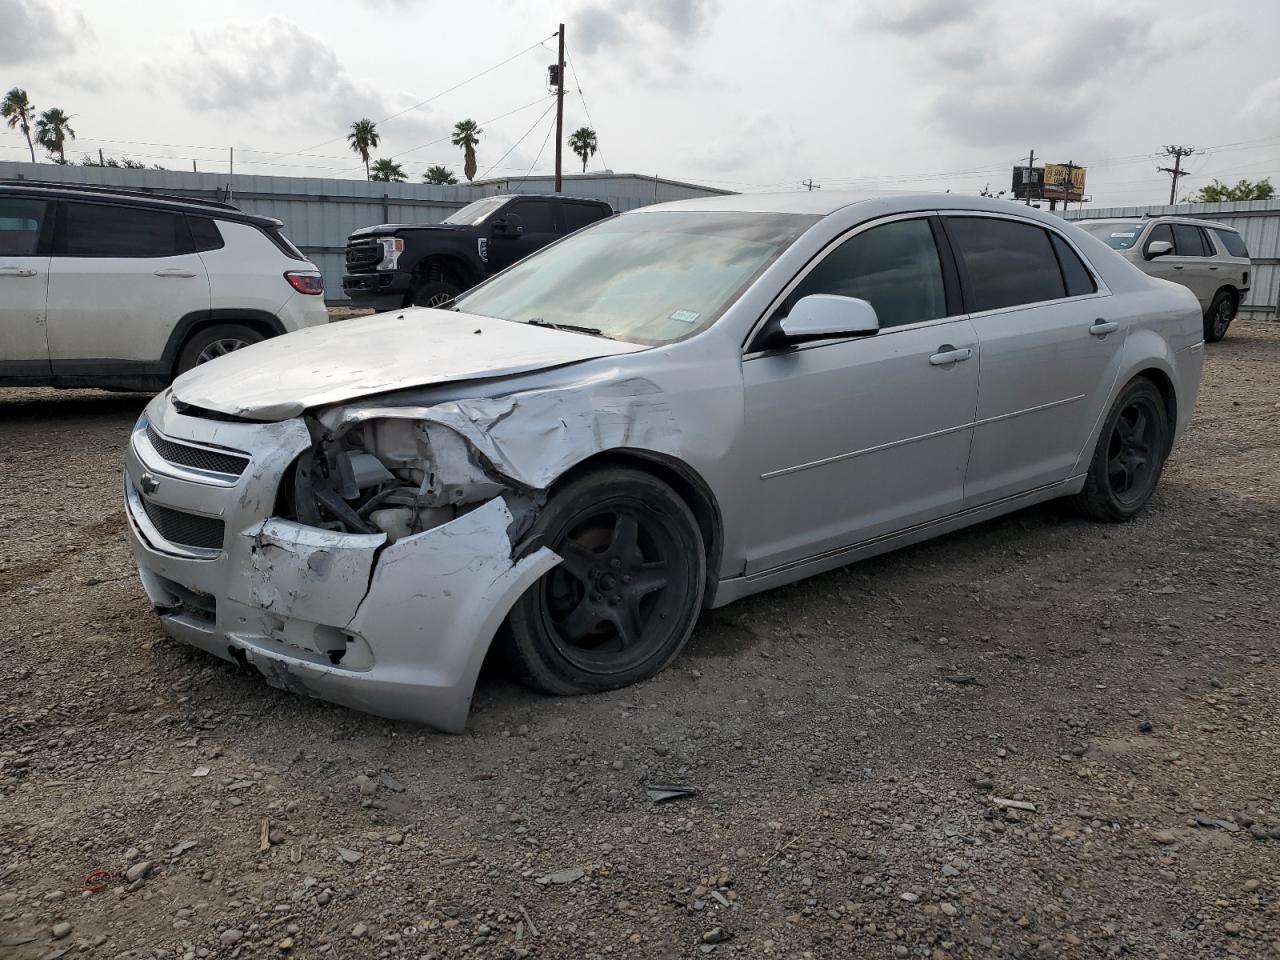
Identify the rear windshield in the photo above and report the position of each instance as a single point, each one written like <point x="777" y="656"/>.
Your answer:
<point x="1117" y="236"/>
<point x="1233" y="242"/>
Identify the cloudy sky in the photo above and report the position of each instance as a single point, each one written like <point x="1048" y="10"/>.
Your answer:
<point x="744" y="94"/>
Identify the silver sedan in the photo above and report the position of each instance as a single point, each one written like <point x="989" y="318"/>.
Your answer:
<point x="660" y="414"/>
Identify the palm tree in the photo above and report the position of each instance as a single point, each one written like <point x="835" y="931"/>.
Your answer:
<point x="363" y="138"/>
<point x="388" y="171"/>
<point x="583" y="142"/>
<point x="440" y="175"/>
<point x="466" y="135"/>
<point x="17" y="110"/>
<point x="53" y="130"/>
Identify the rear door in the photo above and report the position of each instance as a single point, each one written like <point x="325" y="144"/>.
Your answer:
<point x="1049" y="352"/>
<point x="576" y="215"/>
<point x="122" y="277"/>
<point x="25" y="231"/>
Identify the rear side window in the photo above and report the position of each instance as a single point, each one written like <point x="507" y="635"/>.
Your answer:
<point x="20" y="222"/>
<point x="1187" y="241"/>
<point x="1007" y="263"/>
<point x="103" y="230"/>
<point x="894" y="267"/>
<point x="205" y="233"/>
<point x="1078" y="279"/>
<point x="579" y="215"/>
<point x="1233" y="242"/>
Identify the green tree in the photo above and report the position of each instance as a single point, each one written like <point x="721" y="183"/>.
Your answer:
<point x="440" y="175"/>
<point x="583" y="142"/>
<point x="53" y="130"/>
<point x="466" y="135"/>
<point x="1217" y="192"/>
<point x="363" y="138"/>
<point x="17" y="111"/>
<point x="388" y="171"/>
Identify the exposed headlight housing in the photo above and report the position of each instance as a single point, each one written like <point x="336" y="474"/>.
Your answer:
<point x="392" y="247"/>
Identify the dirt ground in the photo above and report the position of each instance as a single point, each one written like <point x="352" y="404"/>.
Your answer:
<point x="850" y="737"/>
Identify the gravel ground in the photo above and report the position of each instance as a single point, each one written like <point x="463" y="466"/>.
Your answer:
<point x="854" y="739"/>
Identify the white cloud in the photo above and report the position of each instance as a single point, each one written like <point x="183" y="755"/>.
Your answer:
<point x="598" y="26"/>
<point x="32" y="30"/>
<point x="1263" y="105"/>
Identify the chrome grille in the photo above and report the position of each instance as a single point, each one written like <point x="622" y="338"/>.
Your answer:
<point x="185" y="529"/>
<point x="197" y="458"/>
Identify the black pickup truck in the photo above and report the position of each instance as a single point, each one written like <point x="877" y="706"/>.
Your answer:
<point x="396" y="265"/>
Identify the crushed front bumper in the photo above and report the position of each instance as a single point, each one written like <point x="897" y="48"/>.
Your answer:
<point x="399" y="630"/>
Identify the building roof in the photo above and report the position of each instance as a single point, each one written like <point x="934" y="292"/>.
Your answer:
<point x="605" y="175"/>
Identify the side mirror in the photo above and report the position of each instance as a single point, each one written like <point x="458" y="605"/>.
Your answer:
<point x="821" y="316"/>
<point x="509" y="226"/>
<point x="1158" y="248"/>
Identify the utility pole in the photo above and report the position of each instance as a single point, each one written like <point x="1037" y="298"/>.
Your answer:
<point x="559" y="108"/>
<point x="1031" y="166"/>
<point x="1176" y="171"/>
<point x="811" y="185"/>
<point x="1066" y="187"/>
<point x="231" y="160"/>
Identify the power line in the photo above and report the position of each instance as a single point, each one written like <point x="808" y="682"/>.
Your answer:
<point x="518" y="142"/>
<point x="529" y="173"/>
<point x="501" y="116"/>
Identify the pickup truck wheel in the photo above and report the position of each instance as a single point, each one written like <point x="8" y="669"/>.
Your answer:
<point x="210" y="343"/>
<point x="435" y="294"/>
<point x="1219" y="315"/>
<point x="1130" y="455"/>
<point x="626" y="595"/>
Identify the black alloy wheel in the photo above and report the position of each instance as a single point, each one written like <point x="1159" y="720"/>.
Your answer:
<point x="626" y="594"/>
<point x="1130" y="454"/>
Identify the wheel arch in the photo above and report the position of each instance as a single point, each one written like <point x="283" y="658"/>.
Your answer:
<point x="427" y="267"/>
<point x="684" y="480"/>
<point x="268" y="324"/>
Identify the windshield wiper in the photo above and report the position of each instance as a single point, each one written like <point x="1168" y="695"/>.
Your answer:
<point x="539" y="322"/>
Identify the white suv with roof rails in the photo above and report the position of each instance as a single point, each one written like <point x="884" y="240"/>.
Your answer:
<point x="1208" y="258"/>
<point x="125" y="290"/>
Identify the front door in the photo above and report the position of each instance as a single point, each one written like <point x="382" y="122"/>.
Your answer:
<point x="530" y="226"/>
<point x="24" y="286"/>
<point x="1050" y="353"/>
<point x="851" y="439"/>
<point x="122" y="280"/>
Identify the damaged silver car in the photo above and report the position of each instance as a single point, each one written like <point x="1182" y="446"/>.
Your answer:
<point x="660" y="414"/>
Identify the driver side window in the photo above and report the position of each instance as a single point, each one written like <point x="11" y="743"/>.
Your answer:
<point x="894" y="267"/>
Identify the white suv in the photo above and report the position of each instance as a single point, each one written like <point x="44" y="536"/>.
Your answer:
<point x="124" y="290"/>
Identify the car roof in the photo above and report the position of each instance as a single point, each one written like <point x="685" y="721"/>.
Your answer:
<point x="1167" y="218"/>
<point x="823" y="203"/>
<point x="47" y="189"/>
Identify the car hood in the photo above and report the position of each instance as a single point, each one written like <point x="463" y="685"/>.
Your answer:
<point x="281" y="377"/>
<point x="387" y="229"/>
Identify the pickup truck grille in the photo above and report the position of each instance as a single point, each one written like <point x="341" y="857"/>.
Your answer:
<point x="363" y="255"/>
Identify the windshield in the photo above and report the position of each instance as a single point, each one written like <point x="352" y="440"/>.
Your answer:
<point x="1116" y="235"/>
<point x="475" y="211"/>
<point x="646" y="278"/>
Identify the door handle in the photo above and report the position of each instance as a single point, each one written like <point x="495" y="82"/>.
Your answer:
<point x="1102" y="327"/>
<point x="17" y="272"/>
<point x="948" y="354"/>
<point x="1177" y="266"/>
<point x="1212" y="267"/>
<point x="175" y="272"/>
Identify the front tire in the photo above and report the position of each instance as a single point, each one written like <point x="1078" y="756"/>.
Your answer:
<point x="1129" y="457"/>
<point x="210" y="343"/>
<point x="435" y="294"/>
<point x="626" y="595"/>
<point x="1222" y="310"/>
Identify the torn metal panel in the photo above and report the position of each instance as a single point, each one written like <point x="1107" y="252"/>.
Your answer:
<point x="279" y="378"/>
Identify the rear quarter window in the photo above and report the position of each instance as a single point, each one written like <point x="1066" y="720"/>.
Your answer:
<point x="1232" y="242"/>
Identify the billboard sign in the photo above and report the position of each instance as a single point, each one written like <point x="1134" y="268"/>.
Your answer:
<point x="1049" y="182"/>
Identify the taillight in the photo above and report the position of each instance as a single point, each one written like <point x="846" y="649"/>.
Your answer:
<point x="305" y="281"/>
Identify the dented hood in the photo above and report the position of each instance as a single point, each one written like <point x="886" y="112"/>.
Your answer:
<point x="280" y="378"/>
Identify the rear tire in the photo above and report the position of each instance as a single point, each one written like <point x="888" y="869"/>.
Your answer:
<point x="624" y="599"/>
<point x="209" y="343"/>
<point x="434" y="294"/>
<point x="1129" y="457"/>
<point x="1219" y="315"/>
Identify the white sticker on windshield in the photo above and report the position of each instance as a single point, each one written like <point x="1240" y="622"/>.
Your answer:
<point x="1124" y="235"/>
<point x="684" y="316"/>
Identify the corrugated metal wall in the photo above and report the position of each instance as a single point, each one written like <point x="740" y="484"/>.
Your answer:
<point x="1258" y="221"/>
<point x="318" y="214"/>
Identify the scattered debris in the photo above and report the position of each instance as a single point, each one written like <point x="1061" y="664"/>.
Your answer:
<point x="560" y="877"/>
<point x="661" y="792"/>
<point x="349" y="856"/>
<point x="1001" y="803"/>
